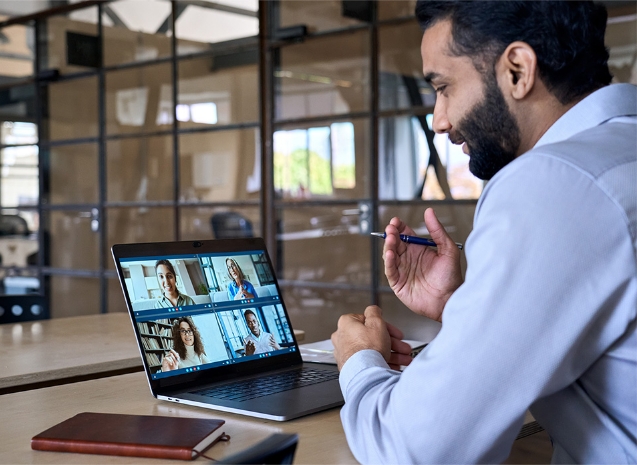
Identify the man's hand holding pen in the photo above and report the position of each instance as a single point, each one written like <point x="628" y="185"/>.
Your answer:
<point x="423" y="278"/>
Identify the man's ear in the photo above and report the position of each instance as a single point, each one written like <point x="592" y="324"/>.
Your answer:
<point x="517" y="70"/>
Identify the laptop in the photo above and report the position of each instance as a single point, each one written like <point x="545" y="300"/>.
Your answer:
<point x="213" y="330"/>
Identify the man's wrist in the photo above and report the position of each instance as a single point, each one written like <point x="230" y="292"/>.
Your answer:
<point x="358" y="362"/>
<point x="343" y="356"/>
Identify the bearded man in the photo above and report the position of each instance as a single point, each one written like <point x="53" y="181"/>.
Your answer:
<point x="545" y="318"/>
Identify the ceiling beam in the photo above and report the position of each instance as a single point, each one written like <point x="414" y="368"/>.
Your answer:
<point x="117" y="21"/>
<point x="220" y="7"/>
<point x="167" y="24"/>
<point x="59" y="10"/>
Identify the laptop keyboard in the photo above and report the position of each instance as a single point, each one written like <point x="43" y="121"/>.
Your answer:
<point x="251" y="389"/>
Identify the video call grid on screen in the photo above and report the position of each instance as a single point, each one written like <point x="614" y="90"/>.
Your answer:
<point x="220" y="323"/>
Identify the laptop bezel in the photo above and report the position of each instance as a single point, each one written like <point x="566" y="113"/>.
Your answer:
<point x="200" y="378"/>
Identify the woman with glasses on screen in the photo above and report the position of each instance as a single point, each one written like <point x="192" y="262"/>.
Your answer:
<point x="188" y="349"/>
<point x="167" y="278"/>
<point x="239" y="287"/>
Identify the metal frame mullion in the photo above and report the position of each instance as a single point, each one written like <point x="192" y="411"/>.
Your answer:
<point x="101" y="163"/>
<point x="137" y="135"/>
<point x="419" y="202"/>
<point x="320" y="119"/>
<point x="288" y="283"/>
<point x="278" y="43"/>
<point x="290" y="204"/>
<point x="238" y="203"/>
<point x="373" y="169"/>
<point x="266" y="91"/>
<point x="72" y="272"/>
<point x="175" y="128"/>
<point x="215" y="128"/>
<point x="413" y="111"/>
<point x="43" y="164"/>
<point x="56" y="143"/>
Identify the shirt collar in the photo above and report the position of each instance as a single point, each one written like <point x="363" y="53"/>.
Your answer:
<point x="602" y="105"/>
<point x="167" y="300"/>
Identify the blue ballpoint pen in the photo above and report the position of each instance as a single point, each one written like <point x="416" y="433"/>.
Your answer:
<point x="413" y="239"/>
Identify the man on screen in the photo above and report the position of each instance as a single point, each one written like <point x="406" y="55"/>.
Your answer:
<point x="258" y="341"/>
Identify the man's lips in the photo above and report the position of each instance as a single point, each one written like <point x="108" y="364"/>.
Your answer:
<point x="457" y="140"/>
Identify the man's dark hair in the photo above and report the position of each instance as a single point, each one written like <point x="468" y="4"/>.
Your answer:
<point x="249" y="312"/>
<point x="567" y="37"/>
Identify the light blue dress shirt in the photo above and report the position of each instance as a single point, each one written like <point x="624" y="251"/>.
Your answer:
<point x="546" y="317"/>
<point x="233" y="289"/>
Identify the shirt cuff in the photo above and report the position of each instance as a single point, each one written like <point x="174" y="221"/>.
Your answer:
<point x="358" y="362"/>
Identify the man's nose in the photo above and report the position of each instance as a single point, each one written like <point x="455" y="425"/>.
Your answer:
<point x="441" y="124"/>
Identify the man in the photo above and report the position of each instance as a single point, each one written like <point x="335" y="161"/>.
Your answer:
<point x="259" y="341"/>
<point x="546" y="316"/>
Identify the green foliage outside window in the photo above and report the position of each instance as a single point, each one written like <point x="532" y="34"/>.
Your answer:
<point x="306" y="163"/>
<point x="320" y="175"/>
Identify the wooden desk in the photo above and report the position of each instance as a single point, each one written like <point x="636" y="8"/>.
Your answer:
<point x="48" y="352"/>
<point x="28" y="413"/>
<point x="321" y="435"/>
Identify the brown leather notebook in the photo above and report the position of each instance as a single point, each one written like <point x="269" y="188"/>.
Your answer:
<point x="131" y="435"/>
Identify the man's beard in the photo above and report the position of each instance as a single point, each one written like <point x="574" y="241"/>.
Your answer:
<point x="490" y="132"/>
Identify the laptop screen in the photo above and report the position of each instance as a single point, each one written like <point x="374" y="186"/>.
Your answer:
<point x="199" y="311"/>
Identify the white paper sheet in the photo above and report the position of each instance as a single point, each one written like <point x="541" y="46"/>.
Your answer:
<point x="323" y="351"/>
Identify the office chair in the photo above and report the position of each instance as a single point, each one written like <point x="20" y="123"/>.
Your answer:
<point x="13" y="225"/>
<point x="20" y="308"/>
<point x="275" y="449"/>
<point x="228" y="225"/>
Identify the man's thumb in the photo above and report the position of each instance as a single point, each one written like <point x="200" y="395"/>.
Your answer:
<point x="374" y="313"/>
<point x="438" y="232"/>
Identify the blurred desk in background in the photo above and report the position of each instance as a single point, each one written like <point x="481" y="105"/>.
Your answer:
<point x="64" y="350"/>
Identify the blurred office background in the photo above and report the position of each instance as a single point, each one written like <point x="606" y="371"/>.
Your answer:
<point x="304" y="122"/>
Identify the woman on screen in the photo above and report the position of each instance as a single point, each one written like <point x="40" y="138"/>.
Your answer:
<point x="239" y="287"/>
<point x="171" y="297"/>
<point x="188" y="349"/>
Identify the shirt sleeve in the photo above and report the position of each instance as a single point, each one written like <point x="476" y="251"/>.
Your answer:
<point x="535" y="311"/>
<point x="232" y="290"/>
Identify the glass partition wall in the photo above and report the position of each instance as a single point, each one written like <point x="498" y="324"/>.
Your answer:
<point x="353" y="147"/>
<point x="307" y="123"/>
<point x="138" y="121"/>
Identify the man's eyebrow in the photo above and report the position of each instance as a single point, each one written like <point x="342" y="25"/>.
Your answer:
<point x="431" y="76"/>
